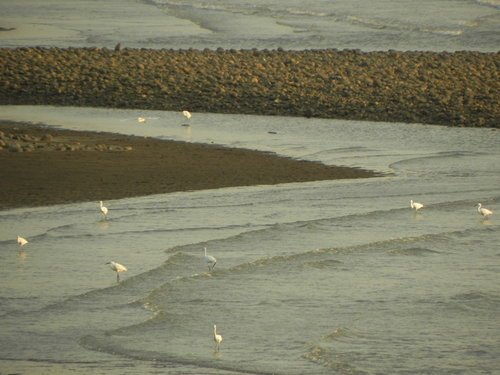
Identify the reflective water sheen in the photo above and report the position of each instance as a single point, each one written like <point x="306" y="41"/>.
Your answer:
<point x="319" y="278"/>
<point x="430" y="25"/>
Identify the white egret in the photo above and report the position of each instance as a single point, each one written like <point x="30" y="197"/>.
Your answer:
<point x="104" y="211"/>
<point x="483" y="211"/>
<point x="217" y="338"/>
<point x="210" y="261"/>
<point x="21" y="241"/>
<point x="186" y="114"/>
<point x="117" y="267"/>
<point x="141" y="119"/>
<point x="417" y="206"/>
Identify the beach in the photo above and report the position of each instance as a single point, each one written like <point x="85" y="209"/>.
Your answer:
<point x="43" y="166"/>
<point x="335" y="257"/>
<point x="314" y="125"/>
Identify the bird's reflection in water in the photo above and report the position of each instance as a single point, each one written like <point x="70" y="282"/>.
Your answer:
<point x="103" y="224"/>
<point x="486" y="221"/>
<point x="188" y="132"/>
<point x="217" y="354"/>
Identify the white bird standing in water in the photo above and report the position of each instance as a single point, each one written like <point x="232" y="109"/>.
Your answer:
<point x="117" y="267"/>
<point x="209" y="260"/>
<point x="141" y="119"/>
<point x="217" y="338"/>
<point x="483" y="211"/>
<point x="104" y="211"/>
<point x="417" y="206"/>
<point x="21" y="241"/>
<point x="186" y="114"/>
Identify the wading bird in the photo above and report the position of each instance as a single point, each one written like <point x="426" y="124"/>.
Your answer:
<point x="117" y="267"/>
<point x="186" y="114"/>
<point x="21" y="241"/>
<point x="417" y="206"/>
<point x="483" y="211"/>
<point x="104" y="211"/>
<point x="217" y="339"/>
<point x="210" y="261"/>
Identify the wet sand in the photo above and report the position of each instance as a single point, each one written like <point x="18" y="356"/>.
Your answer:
<point x="41" y="166"/>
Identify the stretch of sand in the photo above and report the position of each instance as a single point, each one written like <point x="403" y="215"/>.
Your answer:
<point x="448" y="88"/>
<point x="43" y="166"/>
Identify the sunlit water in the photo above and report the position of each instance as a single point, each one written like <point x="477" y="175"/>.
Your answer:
<point x="332" y="277"/>
<point x="323" y="277"/>
<point x="368" y="25"/>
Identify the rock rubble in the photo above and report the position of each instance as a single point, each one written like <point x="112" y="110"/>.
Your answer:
<point x="22" y="142"/>
<point x="448" y="88"/>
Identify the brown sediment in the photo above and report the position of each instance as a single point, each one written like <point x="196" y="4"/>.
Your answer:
<point x="43" y="166"/>
<point x="448" y="88"/>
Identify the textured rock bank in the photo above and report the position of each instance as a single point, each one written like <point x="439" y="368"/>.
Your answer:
<point x="457" y="89"/>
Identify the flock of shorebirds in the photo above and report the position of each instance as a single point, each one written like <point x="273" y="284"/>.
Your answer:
<point x="483" y="211"/>
<point x="186" y="114"/>
<point x="210" y="262"/>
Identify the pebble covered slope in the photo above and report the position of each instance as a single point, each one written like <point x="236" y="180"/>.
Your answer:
<point x="447" y="88"/>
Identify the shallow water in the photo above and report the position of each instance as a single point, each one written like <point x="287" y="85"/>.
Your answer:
<point x="320" y="277"/>
<point x="434" y="25"/>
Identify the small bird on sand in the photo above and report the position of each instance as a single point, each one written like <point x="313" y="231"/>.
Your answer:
<point x="217" y="339"/>
<point x="483" y="211"/>
<point x="117" y="267"/>
<point x="417" y="206"/>
<point x="21" y="241"/>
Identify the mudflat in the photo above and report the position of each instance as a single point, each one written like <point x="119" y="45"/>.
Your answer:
<point x="42" y="166"/>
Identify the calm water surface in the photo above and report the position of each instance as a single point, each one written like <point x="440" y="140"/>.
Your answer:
<point x="331" y="277"/>
<point x="368" y="25"/>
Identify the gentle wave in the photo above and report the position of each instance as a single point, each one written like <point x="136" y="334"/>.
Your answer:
<point x="130" y="291"/>
<point x="478" y="298"/>
<point x="102" y="344"/>
<point x="413" y="251"/>
<point x="397" y="25"/>
<point x="439" y="156"/>
<point x="15" y="305"/>
<point x="324" y="264"/>
<point x="489" y="3"/>
<point x="321" y="258"/>
<point x="325" y="353"/>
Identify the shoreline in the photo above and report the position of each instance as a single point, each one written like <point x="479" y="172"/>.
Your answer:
<point x="42" y="166"/>
<point x="442" y="88"/>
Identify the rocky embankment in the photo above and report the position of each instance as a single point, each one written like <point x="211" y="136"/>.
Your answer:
<point x="19" y="141"/>
<point x="456" y="89"/>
